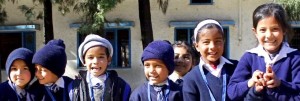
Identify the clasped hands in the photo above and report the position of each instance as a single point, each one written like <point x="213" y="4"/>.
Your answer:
<point x="260" y="79"/>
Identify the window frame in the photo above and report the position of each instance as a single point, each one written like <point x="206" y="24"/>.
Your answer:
<point x="210" y="3"/>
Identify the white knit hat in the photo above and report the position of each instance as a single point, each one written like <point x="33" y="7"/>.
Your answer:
<point x="92" y="40"/>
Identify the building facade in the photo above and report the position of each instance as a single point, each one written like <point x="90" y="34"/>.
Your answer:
<point x="177" y="24"/>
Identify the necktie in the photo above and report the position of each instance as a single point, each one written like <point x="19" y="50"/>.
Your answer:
<point x="54" y="88"/>
<point x="160" y="93"/>
<point x="178" y="81"/>
<point x="214" y="66"/>
<point x="98" y="91"/>
<point x="22" y="94"/>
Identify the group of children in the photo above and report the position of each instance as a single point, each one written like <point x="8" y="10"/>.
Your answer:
<point x="268" y="72"/>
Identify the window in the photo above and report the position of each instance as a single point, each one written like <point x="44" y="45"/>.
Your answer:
<point x="295" y="43"/>
<point x="14" y="40"/>
<point x="201" y="1"/>
<point x="120" y="40"/>
<point x="185" y="34"/>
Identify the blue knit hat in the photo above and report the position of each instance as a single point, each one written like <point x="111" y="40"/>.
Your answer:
<point x="52" y="56"/>
<point x="161" y="50"/>
<point x="20" y="53"/>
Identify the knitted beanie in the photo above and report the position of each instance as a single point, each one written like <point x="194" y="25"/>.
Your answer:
<point x="93" y="40"/>
<point x="23" y="54"/>
<point x="52" y="56"/>
<point x="161" y="50"/>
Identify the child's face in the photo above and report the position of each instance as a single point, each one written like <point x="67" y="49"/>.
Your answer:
<point x="269" y="34"/>
<point x="44" y="75"/>
<point x="155" y="71"/>
<point x="19" y="73"/>
<point x="96" y="60"/>
<point x="210" y="45"/>
<point x="183" y="60"/>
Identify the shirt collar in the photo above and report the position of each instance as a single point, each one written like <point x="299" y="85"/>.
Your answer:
<point x="285" y="49"/>
<point x="166" y="82"/>
<point x="95" y="80"/>
<point x="174" y="76"/>
<point x="215" y="72"/>
<point x="60" y="83"/>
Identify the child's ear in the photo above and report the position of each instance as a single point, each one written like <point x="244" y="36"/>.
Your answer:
<point x="109" y="60"/>
<point x="196" y="46"/>
<point x="254" y="31"/>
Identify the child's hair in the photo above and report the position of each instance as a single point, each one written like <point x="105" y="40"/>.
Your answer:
<point x="207" y="24"/>
<point x="161" y="50"/>
<point x="23" y="54"/>
<point x="52" y="56"/>
<point x="93" y="40"/>
<point x="271" y="9"/>
<point x="187" y="46"/>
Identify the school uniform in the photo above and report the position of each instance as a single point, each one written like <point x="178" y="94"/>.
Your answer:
<point x="203" y="84"/>
<point x="114" y="88"/>
<point x="57" y="91"/>
<point x="53" y="57"/>
<point x="11" y="92"/>
<point x="8" y="91"/>
<point x="286" y="65"/>
<point x="148" y="92"/>
<point x="176" y="79"/>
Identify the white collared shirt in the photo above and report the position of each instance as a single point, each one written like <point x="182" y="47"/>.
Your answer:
<point x="160" y="84"/>
<point x="216" y="72"/>
<point x="285" y="49"/>
<point x="94" y="80"/>
<point x="174" y="76"/>
<point x="60" y="83"/>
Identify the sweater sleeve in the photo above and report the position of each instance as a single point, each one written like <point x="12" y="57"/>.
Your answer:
<point x="135" y="95"/>
<point x="126" y="93"/>
<point x="253" y="95"/>
<point x="289" y="91"/>
<point x="189" y="88"/>
<point x="237" y="87"/>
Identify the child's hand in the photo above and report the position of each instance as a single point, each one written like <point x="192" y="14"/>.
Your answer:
<point x="258" y="87"/>
<point x="257" y="77"/>
<point x="271" y="80"/>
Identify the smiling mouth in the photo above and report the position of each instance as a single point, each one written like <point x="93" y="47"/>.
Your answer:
<point x="95" y="68"/>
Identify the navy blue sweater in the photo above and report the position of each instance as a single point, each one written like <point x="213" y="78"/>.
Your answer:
<point x="116" y="89"/>
<point x="8" y="94"/>
<point x="194" y="88"/>
<point x="60" y="95"/>
<point x="286" y="69"/>
<point x="141" y="93"/>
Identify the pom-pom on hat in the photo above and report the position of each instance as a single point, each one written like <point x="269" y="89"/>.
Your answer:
<point x="23" y="54"/>
<point x="93" y="40"/>
<point x="161" y="50"/>
<point x="52" y="56"/>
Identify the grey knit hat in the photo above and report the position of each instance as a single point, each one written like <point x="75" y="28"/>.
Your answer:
<point x="92" y="40"/>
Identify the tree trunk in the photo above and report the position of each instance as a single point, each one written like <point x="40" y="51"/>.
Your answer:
<point x="145" y="22"/>
<point x="48" y="21"/>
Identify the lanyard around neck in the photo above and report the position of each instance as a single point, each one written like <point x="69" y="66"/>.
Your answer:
<point x="209" y="90"/>
<point x="166" y="96"/>
<point x="91" y="91"/>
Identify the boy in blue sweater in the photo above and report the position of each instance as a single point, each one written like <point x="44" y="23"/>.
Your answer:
<point x="20" y="73"/>
<point x="97" y="83"/>
<point x="50" y="63"/>
<point x="269" y="72"/>
<point x="208" y="80"/>
<point x="158" y="61"/>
